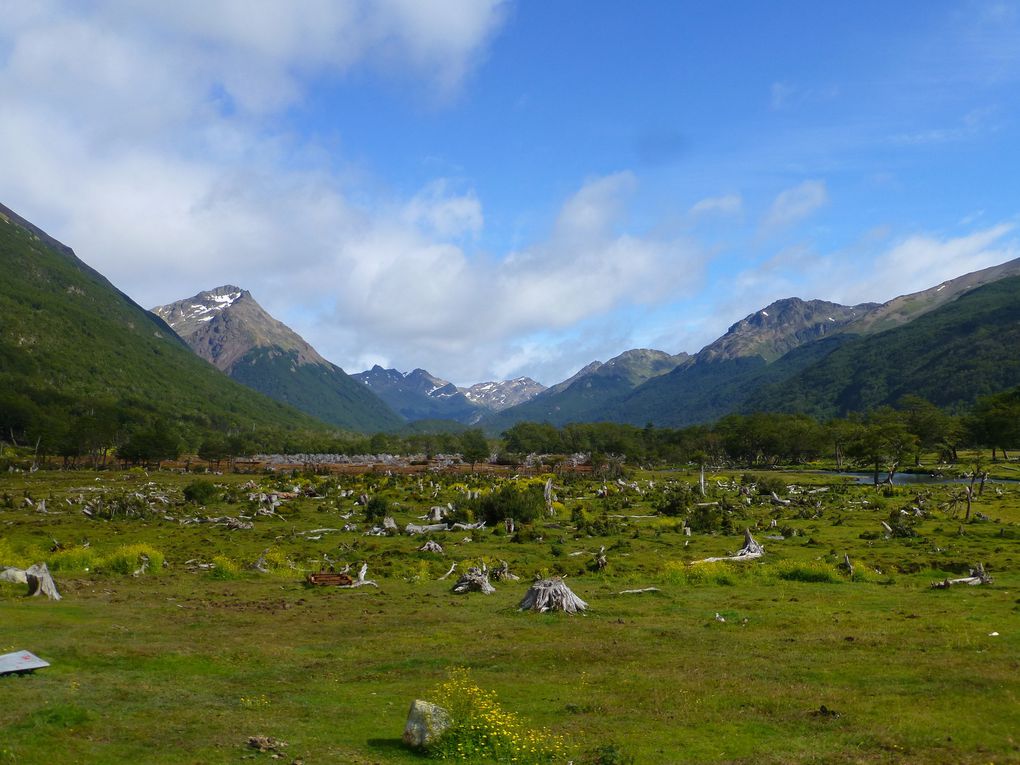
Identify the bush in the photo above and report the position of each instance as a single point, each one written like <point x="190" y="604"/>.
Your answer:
<point x="200" y="492"/>
<point x="376" y="509"/>
<point x="524" y="505"/>
<point x="225" y="568"/>
<point x="482" y="731"/>
<point x="676" y="500"/>
<point x="128" y="559"/>
<point x="75" y="559"/>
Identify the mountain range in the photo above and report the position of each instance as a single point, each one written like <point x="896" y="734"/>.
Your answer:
<point x="228" y="328"/>
<point x="69" y="340"/>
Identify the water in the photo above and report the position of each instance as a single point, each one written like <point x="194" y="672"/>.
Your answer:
<point x="910" y="479"/>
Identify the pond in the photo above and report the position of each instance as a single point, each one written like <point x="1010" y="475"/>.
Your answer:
<point x="909" y="479"/>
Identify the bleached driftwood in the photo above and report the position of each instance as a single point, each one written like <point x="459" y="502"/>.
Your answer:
<point x="431" y="546"/>
<point x="468" y="526"/>
<point x="599" y="561"/>
<point x="637" y="592"/>
<point x="361" y="581"/>
<point x="749" y="551"/>
<point x="549" y="497"/>
<point x="977" y="576"/>
<point x="474" y="580"/>
<point x="453" y="567"/>
<point x="413" y="528"/>
<point x="777" y="500"/>
<point x="551" y="595"/>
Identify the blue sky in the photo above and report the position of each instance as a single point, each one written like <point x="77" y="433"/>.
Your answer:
<point x="496" y="189"/>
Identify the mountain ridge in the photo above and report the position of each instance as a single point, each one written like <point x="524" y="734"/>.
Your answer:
<point x="227" y="327"/>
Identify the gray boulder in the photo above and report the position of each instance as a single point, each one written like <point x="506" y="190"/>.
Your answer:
<point x="426" y="722"/>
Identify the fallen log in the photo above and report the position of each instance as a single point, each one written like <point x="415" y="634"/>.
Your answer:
<point x="750" y="551"/>
<point x="977" y="577"/>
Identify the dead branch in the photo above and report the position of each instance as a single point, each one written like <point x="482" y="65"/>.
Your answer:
<point x="750" y="551"/>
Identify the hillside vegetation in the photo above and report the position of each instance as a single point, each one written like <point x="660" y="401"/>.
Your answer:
<point x="72" y="346"/>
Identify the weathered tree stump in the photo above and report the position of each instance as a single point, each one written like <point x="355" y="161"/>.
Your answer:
<point x="502" y="573"/>
<point x="431" y="546"/>
<point x="551" y="595"/>
<point x="474" y="580"/>
<point x="40" y="582"/>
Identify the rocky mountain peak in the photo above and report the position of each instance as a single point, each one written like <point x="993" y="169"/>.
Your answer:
<point x="223" y="324"/>
<point x="499" y="395"/>
<point x="782" y="326"/>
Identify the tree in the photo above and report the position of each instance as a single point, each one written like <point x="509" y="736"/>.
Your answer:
<point x="473" y="446"/>
<point x="214" y="448"/>
<point x="883" y="441"/>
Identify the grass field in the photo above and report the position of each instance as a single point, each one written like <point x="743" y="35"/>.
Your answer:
<point x="179" y="666"/>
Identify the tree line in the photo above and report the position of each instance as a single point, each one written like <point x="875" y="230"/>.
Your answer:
<point x="100" y="433"/>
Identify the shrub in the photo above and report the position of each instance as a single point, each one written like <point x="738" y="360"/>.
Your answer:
<point x="128" y="559"/>
<point x="225" y="568"/>
<point x="524" y="505"/>
<point x="676" y="500"/>
<point x="200" y="492"/>
<point x="376" y="509"/>
<point x="817" y="573"/>
<point x="482" y="731"/>
<point x="75" y="559"/>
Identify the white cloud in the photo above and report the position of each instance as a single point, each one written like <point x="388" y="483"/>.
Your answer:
<point x="795" y="204"/>
<point x="446" y="214"/>
<point x="725" y="205"/>
<point x="143" y="138"/>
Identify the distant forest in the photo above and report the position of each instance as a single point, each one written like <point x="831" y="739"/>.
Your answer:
<point x="103" y="434"/>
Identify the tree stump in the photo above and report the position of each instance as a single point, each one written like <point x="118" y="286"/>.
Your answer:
<point x="474" y="580"/>
<point x="551" y="595"/>
<point x="40" y="582"/>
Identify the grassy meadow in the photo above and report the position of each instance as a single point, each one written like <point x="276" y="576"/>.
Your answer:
<point x="783" y="660"/>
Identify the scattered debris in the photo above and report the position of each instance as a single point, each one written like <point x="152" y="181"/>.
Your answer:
<point x="266" y="743"/>
<point x="431" y="546"/>
<point x="551" y="595"/>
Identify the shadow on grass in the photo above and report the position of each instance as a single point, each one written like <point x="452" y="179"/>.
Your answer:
<point x="392" y="746"/>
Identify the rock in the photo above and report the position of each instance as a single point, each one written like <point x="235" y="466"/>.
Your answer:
<point x="426" y="722"/>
